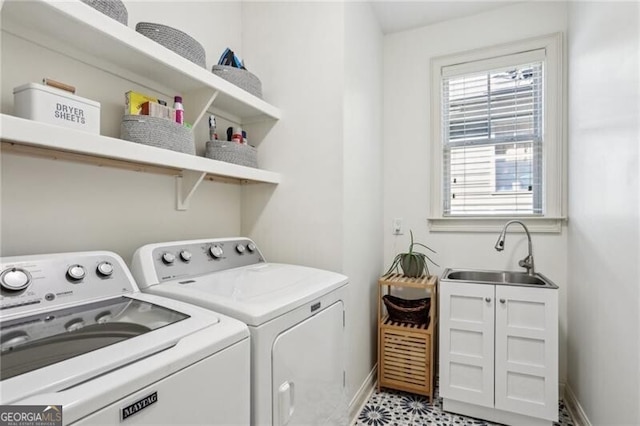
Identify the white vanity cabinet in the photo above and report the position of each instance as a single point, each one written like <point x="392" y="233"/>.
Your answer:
<point x="499" y="352"/>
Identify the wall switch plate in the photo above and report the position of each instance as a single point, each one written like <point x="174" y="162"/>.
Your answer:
<point x="397" y="226"/>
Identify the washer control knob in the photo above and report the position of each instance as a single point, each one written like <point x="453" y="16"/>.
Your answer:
<point x="104" y="269"/>
<point x="251" y="247"/>
<point x="13" y="339"/>
<point x="104" y="317"/>
<point x="74" y="324"/>
<point x="185" y="255"/>
<point x="216" y="251"/>
<point x="240" y="248"/>
<point x="168" y="258"/>
<point x="76" y="272"/>
<point x="15" y="279"/>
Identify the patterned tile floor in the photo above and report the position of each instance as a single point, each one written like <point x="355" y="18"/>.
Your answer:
<point x="392" y="408"/>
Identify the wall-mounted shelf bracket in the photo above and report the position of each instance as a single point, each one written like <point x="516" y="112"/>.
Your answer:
<point x="196" y="103"/>
<point x="186" y="185"/>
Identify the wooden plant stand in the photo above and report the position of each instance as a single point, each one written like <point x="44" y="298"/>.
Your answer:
<point x="406" y="352"/>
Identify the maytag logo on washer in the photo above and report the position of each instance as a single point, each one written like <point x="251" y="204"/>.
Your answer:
<point x="138" y="406"/>
<point x="30" y="415"/>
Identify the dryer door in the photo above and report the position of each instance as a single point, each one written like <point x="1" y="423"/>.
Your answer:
<point x="308" y="371"/>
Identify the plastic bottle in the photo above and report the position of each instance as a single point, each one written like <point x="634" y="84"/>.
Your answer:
<point x="177" y="105"/>
<point x="212" y="128"/>
<point x="237" y="135"/>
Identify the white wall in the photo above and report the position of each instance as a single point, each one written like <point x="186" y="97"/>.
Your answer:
<point x="322" y="64"/>
<point x="55" y="206"/>
<point x="362" y="151"/>
<point x="604" y="228"/>
<point x="407" y="143"/>
<point x="297" y="50"/>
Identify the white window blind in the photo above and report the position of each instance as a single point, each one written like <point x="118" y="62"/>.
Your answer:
<point x="492" y="137"/>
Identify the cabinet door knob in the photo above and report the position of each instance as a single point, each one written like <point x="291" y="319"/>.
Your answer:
<point x="487" y="299"/>
<point x="503" y="301"/>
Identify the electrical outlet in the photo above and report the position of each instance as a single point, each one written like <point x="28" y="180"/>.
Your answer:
<point x="397" y="226"/>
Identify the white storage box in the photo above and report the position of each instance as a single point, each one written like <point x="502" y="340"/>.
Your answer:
<point x="50" y="105"/>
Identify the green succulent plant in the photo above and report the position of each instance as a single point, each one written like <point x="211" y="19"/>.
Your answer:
<point x="413" y="263"/>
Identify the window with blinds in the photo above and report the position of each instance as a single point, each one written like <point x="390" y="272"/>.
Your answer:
<point x="492" y="138"/>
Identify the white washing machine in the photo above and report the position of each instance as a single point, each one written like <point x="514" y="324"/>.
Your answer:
<point x="296" y="316"/>
<point x="76" y="332"/>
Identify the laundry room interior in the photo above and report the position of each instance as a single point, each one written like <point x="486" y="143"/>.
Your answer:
<point x="350" y="170"/>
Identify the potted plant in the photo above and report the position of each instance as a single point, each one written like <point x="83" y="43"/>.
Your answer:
<point x="412" y="263"/>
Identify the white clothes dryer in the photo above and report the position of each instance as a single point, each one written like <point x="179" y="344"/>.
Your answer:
<point x="76" y="334"/>
<point x="295" y="314"/>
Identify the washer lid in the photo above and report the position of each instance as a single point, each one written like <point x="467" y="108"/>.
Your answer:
<point x="36" y="341"/>
<point x="143" y="327"/>
<point x="254" y="294"/>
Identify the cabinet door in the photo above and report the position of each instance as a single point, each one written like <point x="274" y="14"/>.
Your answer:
<point x="527" y="351"/>
<point x="466" y="342"/>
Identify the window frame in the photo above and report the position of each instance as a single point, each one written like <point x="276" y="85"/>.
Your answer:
<point x="554" y="170"/>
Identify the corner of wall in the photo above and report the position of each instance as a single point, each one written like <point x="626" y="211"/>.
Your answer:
<point x="575" y="409"/>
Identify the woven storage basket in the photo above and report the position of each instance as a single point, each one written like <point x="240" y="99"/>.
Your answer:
<point x="181" y="43"/>
<point x="241" y="78"/>
<point x="232" y="152"/>
<point x="158" y="132"/>
<point x="112" y="8"/>
<point x="409" y="311"/>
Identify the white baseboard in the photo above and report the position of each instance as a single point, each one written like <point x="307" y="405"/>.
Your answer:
<point x="574" y="408"/>
<point x="363" y="394"/>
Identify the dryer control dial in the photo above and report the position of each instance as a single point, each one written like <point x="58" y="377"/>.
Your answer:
<point x="168" y="258"/>
<point x="216" y="251"/>
<point x="76" y="272"/>
<point x="15" y="279"/>
<point x="105" y="269"/>
<point x="251" y="247"/>
<point x="240" y="248"/>
<point x="185" y="255"/>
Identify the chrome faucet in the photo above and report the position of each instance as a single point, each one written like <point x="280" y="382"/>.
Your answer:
<point x="527" y="262"/>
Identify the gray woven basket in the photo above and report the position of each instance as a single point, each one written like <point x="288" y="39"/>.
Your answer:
<point x="181" y="43"/>
<point x="232" y="152"/>
<point x="158" y="132"/>
<point x="112" y="8"/>
<point x="241" y="78"/>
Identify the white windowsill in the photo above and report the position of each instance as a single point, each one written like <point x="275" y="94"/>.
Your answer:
<point x="552" y="225"/>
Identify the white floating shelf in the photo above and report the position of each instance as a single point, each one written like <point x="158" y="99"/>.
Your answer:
<point x="41" y="139"/>
<point x="80" y="30"/>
